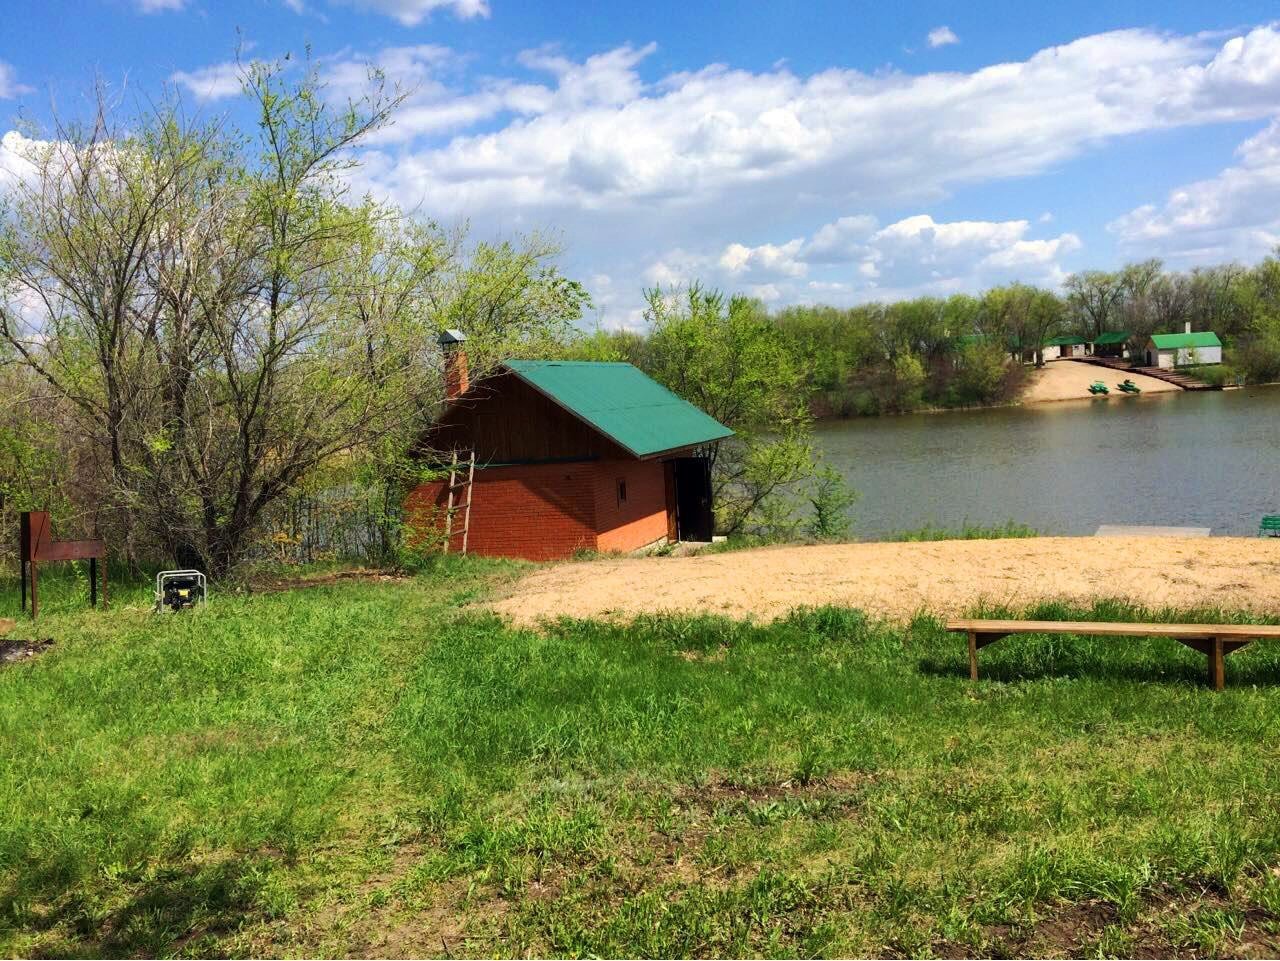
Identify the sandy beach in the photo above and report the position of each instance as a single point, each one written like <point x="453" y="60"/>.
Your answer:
<point x="1070" y="379"/>
<point x="898" y="579"/>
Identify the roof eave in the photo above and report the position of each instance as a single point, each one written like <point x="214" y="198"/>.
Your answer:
<point x="684" y="447"/>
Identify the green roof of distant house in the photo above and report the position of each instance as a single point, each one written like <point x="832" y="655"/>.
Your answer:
<point x="1112" y="337"/>
<point x="622" y="403"/>
<point x="1200" y="338"/>
<point x="1066" y="340"/>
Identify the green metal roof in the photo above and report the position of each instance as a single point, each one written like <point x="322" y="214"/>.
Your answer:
<point x="1112" y="337"/>
<point x="1201" y="338"/>
<point x="1066" y="340"/>
<point x="621" y="402"/>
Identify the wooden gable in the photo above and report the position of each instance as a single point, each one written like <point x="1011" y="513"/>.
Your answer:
<point x="508" y="422"/>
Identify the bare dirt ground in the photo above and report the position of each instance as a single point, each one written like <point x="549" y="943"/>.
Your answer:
<point x="1070" y="380"/>
<point x="897" y="580"/>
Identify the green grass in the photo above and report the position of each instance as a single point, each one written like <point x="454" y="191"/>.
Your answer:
<point x="383" y="768"/>
<point x="967" y="532"/>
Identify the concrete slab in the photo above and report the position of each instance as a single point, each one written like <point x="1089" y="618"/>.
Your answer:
<point x="1129" y="530"/>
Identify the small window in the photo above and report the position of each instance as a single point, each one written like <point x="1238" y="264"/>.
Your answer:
<point x="622" y="491"/>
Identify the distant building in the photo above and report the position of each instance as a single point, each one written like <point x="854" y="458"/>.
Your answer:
<point x="1068" y="345"/>
<point x="1112" y="343"/>
<point x="1183" y="350"/>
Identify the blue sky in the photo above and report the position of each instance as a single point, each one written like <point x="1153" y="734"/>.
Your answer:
<point x="802" y="152"/>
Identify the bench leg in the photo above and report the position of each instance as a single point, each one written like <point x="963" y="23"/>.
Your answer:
<point x="973" y="656"/>
<point x="1217" y="674"/>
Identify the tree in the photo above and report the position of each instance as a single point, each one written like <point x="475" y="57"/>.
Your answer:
<point x="1094" y="298"/>
<point x="191" y="303"/>
<point x="1023" y="317"/>
<point x="725" y="356"/>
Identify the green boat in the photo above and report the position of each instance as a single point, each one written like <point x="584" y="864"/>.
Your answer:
<point x="1129" y="387"/>
<point x="1098" y="387"/>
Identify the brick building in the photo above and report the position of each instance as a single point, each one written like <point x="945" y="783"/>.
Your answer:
<point x="569" y="456"/>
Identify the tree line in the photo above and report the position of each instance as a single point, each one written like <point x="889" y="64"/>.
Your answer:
<point x="969" y="350"/>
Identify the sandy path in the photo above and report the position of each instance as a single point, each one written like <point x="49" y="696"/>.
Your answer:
<point x="896" y="580"/>
<point x="1070" y="380"/>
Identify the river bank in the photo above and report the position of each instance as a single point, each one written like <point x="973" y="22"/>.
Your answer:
<point x="897" y="580"/>
<point x="1061" y="380"/>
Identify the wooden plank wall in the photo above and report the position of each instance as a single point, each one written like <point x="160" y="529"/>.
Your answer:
<point x="507" y="421"/>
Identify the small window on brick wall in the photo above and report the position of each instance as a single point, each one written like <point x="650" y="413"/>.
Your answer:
<point x="622" y="491"/>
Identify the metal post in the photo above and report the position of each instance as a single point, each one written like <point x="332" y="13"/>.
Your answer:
<point x="35" y="590"/>
<point x="93" y="582"/>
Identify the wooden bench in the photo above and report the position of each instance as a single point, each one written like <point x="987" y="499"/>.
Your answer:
<point x="1215" y="641"/>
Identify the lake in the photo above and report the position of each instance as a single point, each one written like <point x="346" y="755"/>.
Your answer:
<point x="1193" y="459"/>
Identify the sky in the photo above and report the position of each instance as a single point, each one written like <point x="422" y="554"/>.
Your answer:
<point x="798" y="152"/>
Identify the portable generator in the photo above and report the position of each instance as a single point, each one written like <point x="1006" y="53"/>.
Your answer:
<point x="176" y="590"/>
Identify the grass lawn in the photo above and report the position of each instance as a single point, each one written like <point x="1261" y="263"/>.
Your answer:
<point x="380" y="768"/>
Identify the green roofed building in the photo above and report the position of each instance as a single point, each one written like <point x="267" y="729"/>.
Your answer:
<point x="1111" y="343"/>
<point x="1183" y="350"/>
<point x="568" y="456"/>
<point x="1067" y="345"/>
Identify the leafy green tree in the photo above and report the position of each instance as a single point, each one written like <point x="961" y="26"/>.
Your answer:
<point x="1095" y="298"/>
<point x="726" y="356"/>
<point x="225" y="322"/>
<point x="830" y="498"/>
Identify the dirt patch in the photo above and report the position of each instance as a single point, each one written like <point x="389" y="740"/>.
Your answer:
<point x="898" y="580"/>
<point x="719" y="791"/>
<point x="14" y="650"/>
<point x="7" y="624"/>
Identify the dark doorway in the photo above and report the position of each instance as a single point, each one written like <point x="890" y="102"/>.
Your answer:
<point x="694" y="516"/>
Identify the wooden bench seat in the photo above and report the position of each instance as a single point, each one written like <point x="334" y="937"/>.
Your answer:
<point x="1215" y="641"/>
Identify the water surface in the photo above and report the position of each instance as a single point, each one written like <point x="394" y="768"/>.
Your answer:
<point x="1195" y="459"/>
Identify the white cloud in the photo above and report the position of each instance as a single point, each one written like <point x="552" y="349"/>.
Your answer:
<point x="632" y="167"/>
<point x="942" y="36"/>
<point x="913" y="255"/>
<point x="16" y="152"/>
<point x="9" y="86"/>
<point x="218" y="81"/>
<point x="1233" y="215"/>
<point x="768" y="258"/>
<point x="432" y="105"/>
<point x="159" y="6"/>
<point x="603" y="139"/>
<point x="410" y="13"/>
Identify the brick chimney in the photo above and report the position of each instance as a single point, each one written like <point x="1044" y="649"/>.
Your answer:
<point x="455" y="363"/>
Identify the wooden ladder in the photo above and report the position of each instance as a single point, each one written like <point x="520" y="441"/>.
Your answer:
<point x="456" y="469"/>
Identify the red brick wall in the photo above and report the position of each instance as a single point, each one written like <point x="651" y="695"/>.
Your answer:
<point x="538" y="512"/>
<point x="548" y="511"/>
<point x="643" y="518"/>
